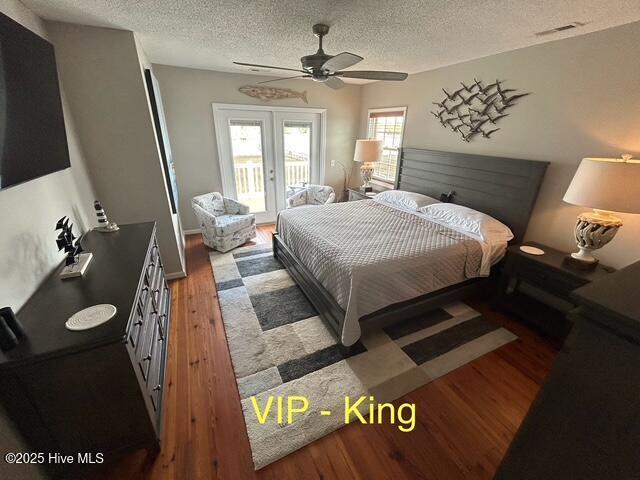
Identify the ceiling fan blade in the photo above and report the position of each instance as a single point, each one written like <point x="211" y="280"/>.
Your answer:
<point x="285" y="78"/>
<point x="341" y="61"/>
<point x="334" y="82"/>
<point x="373" y="75"/>
<point x="269" y="66"/>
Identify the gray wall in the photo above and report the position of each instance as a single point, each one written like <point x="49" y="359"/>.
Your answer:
<point x="188" y="95"/>
<point x="28" y="213"/>
<point x="101" y="69"/>
<point x="585" y="102"/>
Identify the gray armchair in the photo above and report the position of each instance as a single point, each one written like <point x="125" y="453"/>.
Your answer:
<point x="224" y="222"/>
<point x="311" y="195"/>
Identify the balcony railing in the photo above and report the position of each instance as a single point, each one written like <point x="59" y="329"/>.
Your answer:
<point x="250" y="175"/>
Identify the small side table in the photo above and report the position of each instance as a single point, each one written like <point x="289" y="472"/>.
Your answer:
<point x="357" y="194"/>
<point x="551" y="279"/>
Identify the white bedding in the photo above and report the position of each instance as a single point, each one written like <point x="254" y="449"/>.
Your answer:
<point x="370" y="255"/>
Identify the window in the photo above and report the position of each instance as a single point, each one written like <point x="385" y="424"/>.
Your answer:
<point x="387" y="124"/>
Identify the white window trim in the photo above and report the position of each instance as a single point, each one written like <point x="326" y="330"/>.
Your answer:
<point x="381" y="181"/>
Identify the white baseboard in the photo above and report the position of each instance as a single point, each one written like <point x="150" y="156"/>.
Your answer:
<point x="192" y="232"/>
<point x="175" y="275"/>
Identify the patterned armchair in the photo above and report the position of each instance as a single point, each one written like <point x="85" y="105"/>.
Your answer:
<point x="225" y="223"/>
<point x="311" y="195"/>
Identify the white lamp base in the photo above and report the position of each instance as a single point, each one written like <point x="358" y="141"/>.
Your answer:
<point x="584" y="255"/>
<point x="593" y="231"/>
<point x="366" y="170"/>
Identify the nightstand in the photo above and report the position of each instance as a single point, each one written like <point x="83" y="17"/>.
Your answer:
<point x="537" y="288"/>
<point x="357" y="194"/>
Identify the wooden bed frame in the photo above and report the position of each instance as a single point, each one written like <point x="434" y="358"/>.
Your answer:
<point x="504" y="188"/>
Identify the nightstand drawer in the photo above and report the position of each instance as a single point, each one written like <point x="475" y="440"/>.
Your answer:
<point x="355" y="195"/>
<point x="547" y="279"/>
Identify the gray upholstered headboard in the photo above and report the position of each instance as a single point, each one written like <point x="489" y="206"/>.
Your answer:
<point x="505" y="188"/>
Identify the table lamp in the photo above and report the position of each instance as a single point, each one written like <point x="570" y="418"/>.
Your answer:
<point x="607" y="185"/>
<point x="367" y="152"/>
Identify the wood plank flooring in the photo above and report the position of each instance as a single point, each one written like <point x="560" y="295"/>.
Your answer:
<point x="464" y="420"/>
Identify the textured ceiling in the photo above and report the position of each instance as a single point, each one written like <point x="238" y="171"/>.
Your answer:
<point x="402" y="35"/>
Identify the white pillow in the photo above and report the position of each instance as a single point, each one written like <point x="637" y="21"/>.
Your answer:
<point x="402" y="199"/>
<point x="469" y="220"/>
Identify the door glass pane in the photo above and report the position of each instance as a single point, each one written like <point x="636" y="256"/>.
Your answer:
<point x="248" y="163"/>
<point x="297" y="154"/>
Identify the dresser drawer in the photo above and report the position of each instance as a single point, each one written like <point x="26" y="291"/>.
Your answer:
<point x="137" y="324"/>
<point x="154" y="255"/>
<point x="147" y="280"/>
<point x="354" y="196"/>
<point x="156" y="376"/>
<point x="547" y="279"/>
<point x="151" y="272"/>
<point x="146" y="351"/>
<point x="157" y="286"/>
<point x="165" y="303"/>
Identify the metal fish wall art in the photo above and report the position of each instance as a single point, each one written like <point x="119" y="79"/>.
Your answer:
<point x="475" y="108"/>
<point x="266" y="94"/>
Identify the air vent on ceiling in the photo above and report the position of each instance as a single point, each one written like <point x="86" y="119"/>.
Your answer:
<point x="568" y="26"/>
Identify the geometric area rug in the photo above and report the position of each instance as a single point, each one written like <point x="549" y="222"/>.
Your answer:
<point x="282" y="351"/>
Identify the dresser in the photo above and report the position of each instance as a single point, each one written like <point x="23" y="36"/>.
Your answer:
<point x="98" y="390"/>
<point x="584" y="424"/>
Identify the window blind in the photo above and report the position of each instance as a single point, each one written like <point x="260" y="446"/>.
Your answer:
<point x="387" y="126"/>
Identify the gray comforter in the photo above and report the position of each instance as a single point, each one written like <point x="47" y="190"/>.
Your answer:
<point x="369" y="255"/>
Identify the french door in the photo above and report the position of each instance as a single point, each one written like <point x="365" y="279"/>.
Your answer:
<point x="265" y="152"/>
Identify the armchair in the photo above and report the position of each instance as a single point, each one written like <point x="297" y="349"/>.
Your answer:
<point x="224" y="222"/>
<point x="311" y="195"/>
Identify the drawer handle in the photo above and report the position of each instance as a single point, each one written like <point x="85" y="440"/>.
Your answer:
<point x="147" y="358"/>
<point x="139" y="322"/>
<point x="157" y="388"/>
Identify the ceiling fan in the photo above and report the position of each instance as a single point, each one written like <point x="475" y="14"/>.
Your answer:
<point x="324" y="68"/>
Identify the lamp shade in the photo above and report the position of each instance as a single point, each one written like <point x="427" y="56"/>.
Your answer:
<point x="368" y="151"/>
<point x="606" y="184"/>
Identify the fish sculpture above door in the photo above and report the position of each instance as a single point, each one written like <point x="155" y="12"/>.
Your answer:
<point x="266" y="94"/>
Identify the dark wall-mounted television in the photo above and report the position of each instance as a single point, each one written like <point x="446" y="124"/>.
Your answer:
<point x="33" y="141"/>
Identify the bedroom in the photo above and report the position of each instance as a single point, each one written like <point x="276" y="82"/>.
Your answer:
<point x="403" y="310"/>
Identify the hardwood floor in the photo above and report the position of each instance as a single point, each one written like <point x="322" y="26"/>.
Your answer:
<point x="464" y="420"/>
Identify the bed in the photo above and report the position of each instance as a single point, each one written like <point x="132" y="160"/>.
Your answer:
<point x="369" y="262"/>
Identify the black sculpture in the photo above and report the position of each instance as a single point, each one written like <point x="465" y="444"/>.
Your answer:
<point x="65" y="241"/>
<point x="479" y="105"/>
